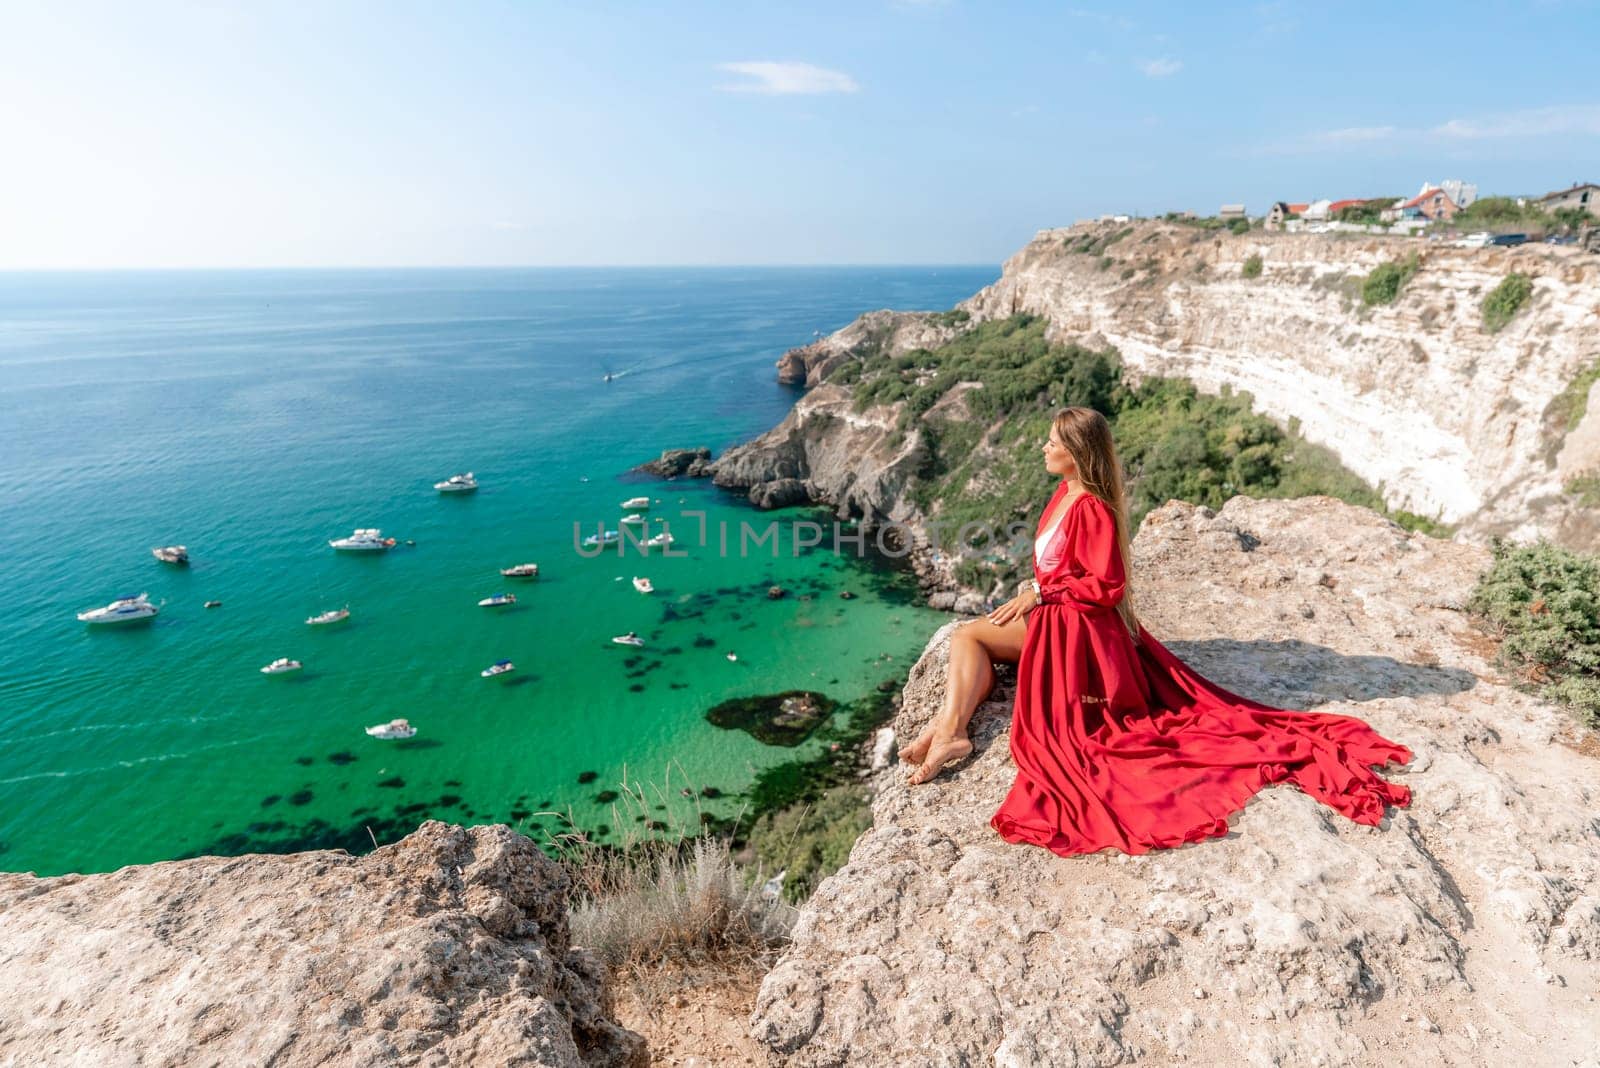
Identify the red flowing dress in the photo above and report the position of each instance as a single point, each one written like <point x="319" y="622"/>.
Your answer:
<point x="1121" y="744"/>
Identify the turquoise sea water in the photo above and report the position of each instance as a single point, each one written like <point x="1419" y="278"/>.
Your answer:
<point x="254" y="415"/>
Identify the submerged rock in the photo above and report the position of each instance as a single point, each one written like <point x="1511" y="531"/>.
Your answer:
<point x="786" y="718"/>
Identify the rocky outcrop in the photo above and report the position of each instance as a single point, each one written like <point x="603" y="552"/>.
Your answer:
<point x="889" y="333"/>
<point x="1416" y="397"/>
<point x="690" y="463"/>
<point x="448" y="947"/>
<point x="855" y="461"/>
<point x="1465" y="930"/>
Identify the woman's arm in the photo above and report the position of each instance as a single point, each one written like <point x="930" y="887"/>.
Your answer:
<point x="1094" y="552"/>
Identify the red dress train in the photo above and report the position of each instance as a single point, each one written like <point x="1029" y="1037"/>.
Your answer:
<point x="1123" y="745"/>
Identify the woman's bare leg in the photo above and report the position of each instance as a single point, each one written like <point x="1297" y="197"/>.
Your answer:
<point x="974" y="648"/>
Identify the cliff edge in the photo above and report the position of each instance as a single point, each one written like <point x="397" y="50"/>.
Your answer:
<point x="1465" y="930"/>
<point x="448" y="947"/>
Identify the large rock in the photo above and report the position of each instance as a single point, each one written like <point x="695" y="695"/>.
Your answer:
<point x="449" y="947"/>
<point x="889" y="333"/>
<point x="1464" y="931"/>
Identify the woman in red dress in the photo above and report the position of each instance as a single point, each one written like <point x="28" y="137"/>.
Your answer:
<point x="1117" y="742"/>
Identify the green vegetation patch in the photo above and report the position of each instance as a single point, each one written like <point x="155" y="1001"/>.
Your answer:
<point x="1543" y="602"/>
<point x="1505" y="300"/>
<point x="786" y="718"/>
<point x="1252" y="266"/>
<point x="811" y="840"/>
<point x="1383" y="285"/>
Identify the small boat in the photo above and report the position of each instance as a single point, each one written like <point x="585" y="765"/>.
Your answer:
<point x="122" y="610"/>
<point x="213" y="604"/>
<point x="658" y="540"/>
<point x="395" y="728"/>
<point x="609" y="537"/>
<point x="732" y="657"/>
<point x="171" y="554"/>
<point x="282" y="666"/>
<point x="499" y="667"/>
<point x="521" y="571"/>
<point x="635" y="502"/>
<point x="629" y="638"/>
<point x="608" y="376"/>
<point x="462" y="483"/>
<point x="337" y="615"/>
<point x="633" y="517"/>
<point x="643" y="585"/>
<point x="498" y="600"/>
<point x="363" y="540"/>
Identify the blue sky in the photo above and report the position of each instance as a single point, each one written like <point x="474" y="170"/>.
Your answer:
<point x="881" y="131"/>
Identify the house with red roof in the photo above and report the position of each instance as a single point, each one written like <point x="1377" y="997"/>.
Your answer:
<point x="1430" y="204"/>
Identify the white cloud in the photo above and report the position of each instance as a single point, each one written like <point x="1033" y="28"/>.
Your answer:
<point x="1569" y="120"/>
<point x="1581" y="119"/>
<point x="1160" y="68"/>
<point x="1356" y="134"/>
<point x="787" y="78"/>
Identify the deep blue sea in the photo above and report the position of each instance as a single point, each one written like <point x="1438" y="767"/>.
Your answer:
<point x="254" y="415"/>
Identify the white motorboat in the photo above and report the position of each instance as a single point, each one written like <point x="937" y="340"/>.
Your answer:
<point x="122" y="610"/>
<point x="363" y="540"/>
<point x="499" y="667"/>
<point x="633" y="517"/>
<point x="282" y="666"/>
<point x="498" y="600"/>
<point x="322" y="619"/>
<point x="629" y="638"/>
<point x="636" y="502"/>
<point x="171" y="554"/>
<point x="395" y="728"/>
<point x="732" y="657"/>
<point x="609" y="537"/>
<point x="658" y="540"/>
<point x="461" y="483"/>
<point x="521" y="571"/>
<point x="643" y="585"/>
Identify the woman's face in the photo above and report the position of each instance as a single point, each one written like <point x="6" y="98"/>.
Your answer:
<point x="1057" y="460"/>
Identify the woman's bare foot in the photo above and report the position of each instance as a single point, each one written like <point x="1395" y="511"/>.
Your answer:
<point x="918" y="749"/>
<point x="940" y="752"/>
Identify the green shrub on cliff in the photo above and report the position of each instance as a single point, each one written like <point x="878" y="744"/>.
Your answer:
<point x="1543" y="602"/>
<point x="1383" y="285"/>
<point x="1505" y="300"/>
<point x="1252" y="266"/>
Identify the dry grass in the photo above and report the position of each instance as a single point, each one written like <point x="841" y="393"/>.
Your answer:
<point x="681" y="901"/>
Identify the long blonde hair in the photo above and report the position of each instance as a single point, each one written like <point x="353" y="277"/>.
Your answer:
<point x="1087" y="436"/>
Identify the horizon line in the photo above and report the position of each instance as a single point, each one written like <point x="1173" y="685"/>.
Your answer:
<point x="498" y="267"/>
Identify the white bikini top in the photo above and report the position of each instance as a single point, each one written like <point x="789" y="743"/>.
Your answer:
<point x="1039" y="543"/>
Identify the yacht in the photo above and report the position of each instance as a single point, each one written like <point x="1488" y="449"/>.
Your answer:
<point x="521" y="571"/>
<point x="213" y="604"/>
<point x="171" y="554"/>
<point x="610" y="537"/>
<point x="122" y="610"/>
<point x="658" y="540"/>
<point x="363" y="540"/>
<point x="395" y="728"/>
<point x="338" y="615"/>
<point x="499" y="667"/>
<point x="282" y="666"/>
<point x="636" y="502"/>
<point x="498" y="600"/>
<point x="629" y="638"/>
<point x="643" y="585"/>
<point x="633" y="517"/>
<point x="462" y="483"/>
<point x="733" y="657"/>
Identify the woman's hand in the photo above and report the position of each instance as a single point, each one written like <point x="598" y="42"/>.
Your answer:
<point x="1014" y="609"/>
